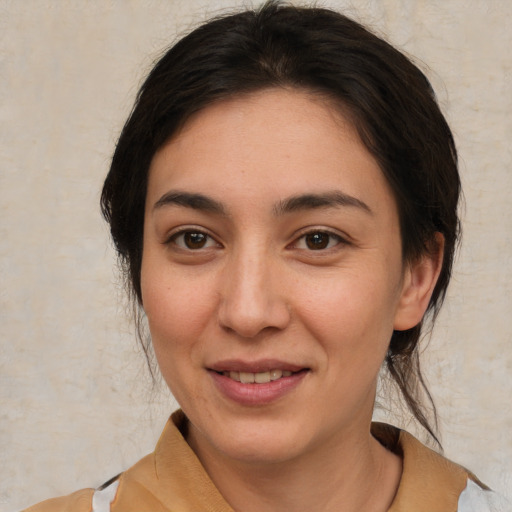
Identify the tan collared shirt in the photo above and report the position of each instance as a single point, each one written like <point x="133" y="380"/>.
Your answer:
<point x="171" y="479"/>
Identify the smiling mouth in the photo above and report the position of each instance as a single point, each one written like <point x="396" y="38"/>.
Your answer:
<point x="267" y="382"/>
<point x="258" y="378"/>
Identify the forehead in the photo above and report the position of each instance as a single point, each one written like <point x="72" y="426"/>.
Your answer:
<point x="273" y="142"/>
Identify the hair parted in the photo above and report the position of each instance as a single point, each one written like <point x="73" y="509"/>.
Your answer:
<point x="387" y="98"/>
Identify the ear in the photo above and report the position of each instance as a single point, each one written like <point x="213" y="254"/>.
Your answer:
<point x="420" y="278"/>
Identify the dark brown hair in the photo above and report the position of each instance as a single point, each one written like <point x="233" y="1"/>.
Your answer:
<point x="389" y="100"/>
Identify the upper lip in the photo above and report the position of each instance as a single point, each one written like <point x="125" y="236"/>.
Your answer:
<point x="258" y="366"/>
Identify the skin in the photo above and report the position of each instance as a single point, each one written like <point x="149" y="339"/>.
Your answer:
<point x="255" y="287"/>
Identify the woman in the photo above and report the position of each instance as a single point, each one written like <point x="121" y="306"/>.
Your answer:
<point x="283" y="199"/>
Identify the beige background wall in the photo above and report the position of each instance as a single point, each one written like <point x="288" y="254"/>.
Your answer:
<point x="76" y="405"/>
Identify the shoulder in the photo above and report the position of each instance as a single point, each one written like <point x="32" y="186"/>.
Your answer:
<point x="79" y="501"/>
<point x="432" y="483"/>
<point x="86" y="500"/>
<point x="172" y="474"/>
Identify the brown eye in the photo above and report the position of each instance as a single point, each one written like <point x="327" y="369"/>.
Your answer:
<point x="318" y="240"/>
<point x="315" y="241"/>
<point x="193" y="240"/>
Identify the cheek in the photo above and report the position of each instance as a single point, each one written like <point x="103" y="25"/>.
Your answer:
<point x="177" y="316"/>
<point x="178" y="309"/>
<point x="351" y="312"/>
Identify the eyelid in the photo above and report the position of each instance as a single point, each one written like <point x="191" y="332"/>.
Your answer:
<point x="342" y="238"/>
<point x="182" y="230"/>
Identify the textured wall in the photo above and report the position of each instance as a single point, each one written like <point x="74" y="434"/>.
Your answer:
<point x="76" y="403"/>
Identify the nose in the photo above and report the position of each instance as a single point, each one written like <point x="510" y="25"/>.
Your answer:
<point x="252" y="298"/>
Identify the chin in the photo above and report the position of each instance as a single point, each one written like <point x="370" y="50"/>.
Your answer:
<point x="264" y="449"/>
<point x="255" y="440"/>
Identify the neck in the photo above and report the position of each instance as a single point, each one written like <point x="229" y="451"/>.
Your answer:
<point x="348" y="475"/>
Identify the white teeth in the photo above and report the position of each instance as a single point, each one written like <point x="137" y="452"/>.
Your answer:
<point x="262" y="378"/>
<point x="258" y="378"/>
<point x="246" y="377"/>
<point x="276" y="374"/>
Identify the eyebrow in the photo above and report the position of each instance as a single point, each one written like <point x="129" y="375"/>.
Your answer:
<point x="323" y="200"/>
<point x="190" y="200"/>
<point x="292" y="204"/>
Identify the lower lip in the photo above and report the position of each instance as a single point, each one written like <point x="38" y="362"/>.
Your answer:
<point x="257" y="394"/>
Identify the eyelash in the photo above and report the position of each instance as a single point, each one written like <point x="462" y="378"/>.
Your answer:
<point x="210" y="241"/>
<point x="315" y="232"/>
<point x="190" y="231"/>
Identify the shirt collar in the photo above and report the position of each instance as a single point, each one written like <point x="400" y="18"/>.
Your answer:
<point x="429" y="482"/>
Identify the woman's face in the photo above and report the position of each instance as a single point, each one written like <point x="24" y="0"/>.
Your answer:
<point x="271" y="253"/>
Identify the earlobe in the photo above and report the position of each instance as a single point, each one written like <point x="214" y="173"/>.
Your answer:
<point x="419" y="281"/>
